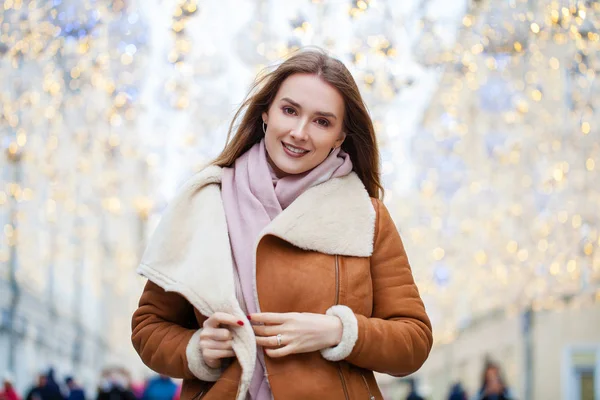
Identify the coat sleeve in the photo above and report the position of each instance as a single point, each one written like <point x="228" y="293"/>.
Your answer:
<point x="397" y="338"/>
<point x="165" y="336"/>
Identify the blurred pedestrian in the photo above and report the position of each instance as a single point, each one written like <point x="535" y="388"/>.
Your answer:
<point x="8" y="392"/>
<point x="160" y="388"/>
<point x="75" y="391"/>
<point x="457" y="392"/>
<point x="37" y="391"/>
<point x="177" y="393"/>
<point x="138" y="388"/>
<point x="414" y="394"/>
<point x="52" y="389"/>
<point x="114" y="386"/>
<point x="493" y="386"/>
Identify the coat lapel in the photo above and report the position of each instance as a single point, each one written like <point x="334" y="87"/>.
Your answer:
<point x="335" y="217"/>
<point x="189" y="253"/>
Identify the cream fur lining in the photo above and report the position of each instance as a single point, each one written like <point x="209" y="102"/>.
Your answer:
<point x="349" y="334"/>
<point x="335" y="217"/>
<point x="189" y="253"/>
<point x="196" y="363"/>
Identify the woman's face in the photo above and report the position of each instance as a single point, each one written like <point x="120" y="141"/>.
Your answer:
<point x="304" y="122"/>
<point x="492" y="380"/>
<point x="491" y="373"/>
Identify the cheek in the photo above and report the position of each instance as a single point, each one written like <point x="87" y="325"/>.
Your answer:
<point x="279" y="126"/>
<point x="324" y="142"/>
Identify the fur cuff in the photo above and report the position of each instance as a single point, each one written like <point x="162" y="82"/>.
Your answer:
<point x="349" y="334"/>
<point x="196" y="363"/>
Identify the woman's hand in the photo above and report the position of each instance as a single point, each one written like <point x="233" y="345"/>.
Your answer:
<point x="215" y="341"/>
<point x="300" y="332"/>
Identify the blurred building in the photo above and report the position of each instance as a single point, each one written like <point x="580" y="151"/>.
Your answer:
<point x="506" y="165"/>
<point x="73" y="196"/>
<point x="543" y="355"/>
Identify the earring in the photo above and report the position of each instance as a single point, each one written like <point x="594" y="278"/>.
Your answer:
<point x="264" y="128"/>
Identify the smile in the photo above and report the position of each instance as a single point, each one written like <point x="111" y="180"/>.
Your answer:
<point x="294" y="151"/>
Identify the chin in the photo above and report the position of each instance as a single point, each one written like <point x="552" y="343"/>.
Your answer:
<point x="292" y="170"/>
<point x="292" y="166"/>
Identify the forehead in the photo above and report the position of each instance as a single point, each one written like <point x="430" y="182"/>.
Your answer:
<point x="312" y="93"/>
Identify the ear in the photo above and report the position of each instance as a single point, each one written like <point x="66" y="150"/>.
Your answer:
<point x="265" y="117"/>
<point x="339" y="142"/>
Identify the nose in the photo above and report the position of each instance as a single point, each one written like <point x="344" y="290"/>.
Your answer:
<point x="300" y="131"/>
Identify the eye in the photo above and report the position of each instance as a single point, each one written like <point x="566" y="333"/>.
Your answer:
<point x="323" y="122"/>
<point x="289" y="110"/>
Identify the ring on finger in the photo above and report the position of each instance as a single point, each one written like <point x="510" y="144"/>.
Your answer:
<point x="278" y="340"/>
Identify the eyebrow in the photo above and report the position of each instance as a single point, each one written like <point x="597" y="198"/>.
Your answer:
<point x="321" y="113"/>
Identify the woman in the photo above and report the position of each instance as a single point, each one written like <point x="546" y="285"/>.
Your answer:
<point x="492" y="384"/>
<point x="8" y="392"/>
<point x="285" y="229"/>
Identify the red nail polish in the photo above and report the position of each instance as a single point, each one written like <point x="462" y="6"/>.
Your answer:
<point x="249" y="318"/>
<point x="241" y="323"/>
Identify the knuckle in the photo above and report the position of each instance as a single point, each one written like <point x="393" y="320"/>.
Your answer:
<point x="221" y="336"/>
<point x="204" y="344"/>
<point x="205" y="333"/>
<point x="276" y="354"/>
<point x="220" y="332"/>
<point x="217" y="315"/>
<point x="210" y="353"/>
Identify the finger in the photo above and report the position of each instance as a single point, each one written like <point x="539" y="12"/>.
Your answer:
<point x="266" y="330"/>
<point x="265" y="342"/>
<point x="221" y="318"/>
<point x="270" y="341"/>
<point x="217" y="345"/>
<point x="220" y="334"/>
<point x="212" y="363"/>
<point x="217" y="354"/>
<point x="280" y="352"/>
<point x="270" y="318"/>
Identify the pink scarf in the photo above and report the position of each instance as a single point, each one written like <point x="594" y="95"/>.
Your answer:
<point x="253" y="197"/>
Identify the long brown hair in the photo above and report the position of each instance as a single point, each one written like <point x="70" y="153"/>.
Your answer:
<point x="360" y="142"/>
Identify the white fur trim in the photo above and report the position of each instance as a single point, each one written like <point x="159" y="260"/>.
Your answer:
<point x="196" y="363"/>
<point x="349" y="334"/>
<point x="189" y="253"/>
<point x="343" y="223"/>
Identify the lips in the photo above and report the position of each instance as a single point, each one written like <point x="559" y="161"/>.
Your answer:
<point x="293" y="151"/>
